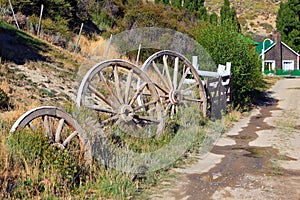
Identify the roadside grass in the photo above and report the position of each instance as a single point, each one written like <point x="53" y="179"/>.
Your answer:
<point x="32" y="168"/>
<point x="275" y="168"/>
<point x="269" y="81"/>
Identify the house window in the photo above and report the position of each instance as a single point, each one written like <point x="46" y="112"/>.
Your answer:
<point x="287" y="65"/>
<point x="269" y="65"/>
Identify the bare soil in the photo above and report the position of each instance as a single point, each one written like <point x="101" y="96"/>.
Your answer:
<point x="257" y="159"/>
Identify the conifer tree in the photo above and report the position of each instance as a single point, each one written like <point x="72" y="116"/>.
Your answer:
<point x="228" y="17"/>
<point x="288" y="23"/>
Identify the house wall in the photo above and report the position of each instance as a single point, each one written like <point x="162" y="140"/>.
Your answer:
<point x="285" y="54"/>
<point x="271" y="55"/>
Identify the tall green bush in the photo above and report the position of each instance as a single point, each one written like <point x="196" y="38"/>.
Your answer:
<point x="288" y="22"/>
<point x="224" y="46"/>
<point x="4" y="100"/>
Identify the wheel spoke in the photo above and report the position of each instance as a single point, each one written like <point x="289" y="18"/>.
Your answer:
<point x="173" y="111"/>
<point x="192" y="99"/>
<point x="166" y="67"/>
<point x="146" y="118"/>
<point x="175" y="72"/>
<point x="183" y="78"/>
<point x="161" y="76"/>
<point x="138" y="92"/>
<point x="128" y="84"/>
<point x="108" y="88"/>
<point x="144" y="105"/>
<point x="47" y="126"/>
<point x="32" y="127"/>
<point x="98" y="94"/>
<point x="190" y="88"/>
<point x="118" y="84"/>
<point x="58" y="130"/>
<point x="111" y="119"/>
<point x="161" y="88"/>
<point x="100" y="109"/>
<point x="69" y="138"/>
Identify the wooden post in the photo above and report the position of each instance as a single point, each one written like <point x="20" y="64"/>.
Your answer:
<point x="39" y="27"/>
<point x="108" y="46"/>
<point x="14" y="14"/>
<point x="76" y="46"/>
<point x="138" y="55"/>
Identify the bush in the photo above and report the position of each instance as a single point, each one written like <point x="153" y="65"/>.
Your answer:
<point x="4" y="100"/>
<point x="228" y="46"/>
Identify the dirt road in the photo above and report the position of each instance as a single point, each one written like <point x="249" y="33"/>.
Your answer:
<point x="259" y="158"/>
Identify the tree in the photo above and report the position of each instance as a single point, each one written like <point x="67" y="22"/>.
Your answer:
<point x="193" y="5"/>
<point x="177" y="3"/>
<point x="225" y="45"/>
<point x="213" y="19"/>
<point x="228" y="17"/>
<point x="288" y="23"/>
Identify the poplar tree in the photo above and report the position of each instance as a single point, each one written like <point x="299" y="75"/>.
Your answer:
<point x="228" y="17"/>
<point x="288" y="23"/>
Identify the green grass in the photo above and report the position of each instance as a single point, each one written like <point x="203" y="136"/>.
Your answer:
<point x="39" y="170"/>
<point x="21" y="35"/>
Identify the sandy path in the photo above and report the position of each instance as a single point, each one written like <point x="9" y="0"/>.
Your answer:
<point x="259" y="158"/>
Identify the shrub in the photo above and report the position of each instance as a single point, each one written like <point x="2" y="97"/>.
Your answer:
<point x="229" y="46"/>
<point x="4" y="100"/>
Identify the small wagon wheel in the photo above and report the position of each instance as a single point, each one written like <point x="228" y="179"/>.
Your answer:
<point x="177" y="81"/>
<point x="59" y="127"/>
<point x="111" y="89"/>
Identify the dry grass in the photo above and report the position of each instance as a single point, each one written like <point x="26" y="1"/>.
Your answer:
<point x="271" y="80"/>
<point x="97" y="47"/>
<point x="9" y="117"/>
<point x="232" y="117"/>
<point x="5" y="86"/>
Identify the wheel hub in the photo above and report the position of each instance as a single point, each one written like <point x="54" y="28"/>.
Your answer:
<point x="126" y="113"/>
<point x="175" y="97"/>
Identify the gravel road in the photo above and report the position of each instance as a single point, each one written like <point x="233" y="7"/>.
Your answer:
<point x="259" y="158"/>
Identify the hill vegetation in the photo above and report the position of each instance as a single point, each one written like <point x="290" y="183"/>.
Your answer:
<point x="41" y="70"/>
<point x="110" y="17"/>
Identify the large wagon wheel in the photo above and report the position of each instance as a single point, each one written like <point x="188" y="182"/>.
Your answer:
<point x="111" y="89"/>
<point x="61" y="129"/>
<point x="177" y="81"/>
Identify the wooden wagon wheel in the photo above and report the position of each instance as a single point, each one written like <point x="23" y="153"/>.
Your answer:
<point x="111" y="89"/>
<point x="59" y="127"/>
<point x="177" y="81"/>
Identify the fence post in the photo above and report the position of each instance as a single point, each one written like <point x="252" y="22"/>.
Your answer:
<point x="39" y="27"/>
<point x="78" y="38"/>
<point x="12" y="10"/>
<point x="108" y="46"/>
<point x="138" y="55"/>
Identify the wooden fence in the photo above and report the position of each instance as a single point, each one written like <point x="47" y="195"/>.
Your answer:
<point x="218" y="87"/>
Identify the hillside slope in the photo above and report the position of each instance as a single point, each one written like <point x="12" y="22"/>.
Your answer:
<point x="33" y="70"/>
<point x="256" y="16"/>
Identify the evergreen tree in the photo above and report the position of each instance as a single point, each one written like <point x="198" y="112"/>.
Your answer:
<point x="213" y="19"/>
<point x="288" y="23"/>
<point x="228" y="17"/>
<point x="177" y="3"/>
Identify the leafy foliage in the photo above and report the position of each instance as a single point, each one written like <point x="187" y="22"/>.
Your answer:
<point x="288" y="22"/>
<point x="228" y="17"/>
<point x="229" y="46"/>
<point x="193" y="6"/>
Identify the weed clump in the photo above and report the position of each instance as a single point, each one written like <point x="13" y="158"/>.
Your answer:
<point x="4" y="100"/>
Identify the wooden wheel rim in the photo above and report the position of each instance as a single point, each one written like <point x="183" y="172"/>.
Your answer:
<point x="175" y="95"/>
<point x="119" y="105"/>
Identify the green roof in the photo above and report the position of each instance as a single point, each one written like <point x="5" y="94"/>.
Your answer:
<point x="247" y="39"/>
<point x="268" y="44"/>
